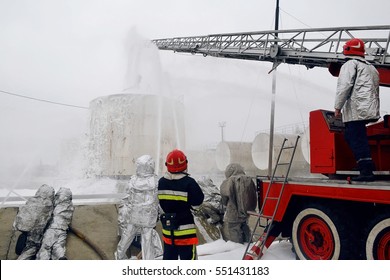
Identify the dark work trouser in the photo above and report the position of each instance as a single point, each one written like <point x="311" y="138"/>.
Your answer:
<point x="184" y="252"/>
<point x="356" y="136"/>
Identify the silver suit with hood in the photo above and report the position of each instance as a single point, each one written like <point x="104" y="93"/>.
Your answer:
<point x="239" y="195"/>
<point x="139" y="210"/>
<point x="54" y="239"/>
<point x="211" y="207"/>
<point x="33" y="218"/>
<point x="357" y="92"/>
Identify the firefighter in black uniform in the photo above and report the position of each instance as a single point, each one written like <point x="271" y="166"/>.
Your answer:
<point x="177" y="193"/>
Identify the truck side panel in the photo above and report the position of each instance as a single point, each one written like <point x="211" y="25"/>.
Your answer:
<point x="359" y="193"/>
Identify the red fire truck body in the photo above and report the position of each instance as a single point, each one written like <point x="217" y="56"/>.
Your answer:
<point x="332" y="217"/>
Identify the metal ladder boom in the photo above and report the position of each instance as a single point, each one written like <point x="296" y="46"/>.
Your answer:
<point x="311" y="47"/>
<point x="314" y="47"/>
<point x="257" y="249"/>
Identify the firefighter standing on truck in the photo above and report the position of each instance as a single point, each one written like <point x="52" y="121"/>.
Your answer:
<point x="177" y="193"/>
<point x="357" y="97"/>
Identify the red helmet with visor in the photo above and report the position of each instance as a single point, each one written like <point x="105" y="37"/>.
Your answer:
<point x="354" y="47"/>
<point x="176" y="161"/>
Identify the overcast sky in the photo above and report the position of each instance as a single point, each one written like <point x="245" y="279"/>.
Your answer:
<point x="73" y="51"/>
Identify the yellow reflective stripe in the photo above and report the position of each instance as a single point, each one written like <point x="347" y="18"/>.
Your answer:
<point x="179" y="232"/>
<point x="172" y="197"/>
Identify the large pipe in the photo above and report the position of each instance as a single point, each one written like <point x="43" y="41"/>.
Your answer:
<point x="260" y="153"/>
<point x="234" y="152"/>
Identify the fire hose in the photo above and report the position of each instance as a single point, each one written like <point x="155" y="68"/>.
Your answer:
<point x="88" y="241"/>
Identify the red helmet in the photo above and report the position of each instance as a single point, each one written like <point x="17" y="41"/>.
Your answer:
<point x="354" y="47"/>
<point x="176" y="161"/>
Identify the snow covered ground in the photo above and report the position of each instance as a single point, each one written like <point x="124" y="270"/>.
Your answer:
<point x="222" y="250"/>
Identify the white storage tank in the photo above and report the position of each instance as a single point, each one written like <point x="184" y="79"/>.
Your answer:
<point x="126" y="126"/>
<point x="260" y="154"/>
<point x="235" y="152"/>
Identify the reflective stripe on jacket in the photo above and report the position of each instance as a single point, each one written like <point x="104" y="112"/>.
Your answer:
<point x="184" y="235"/>
<point x="178" y="196"/>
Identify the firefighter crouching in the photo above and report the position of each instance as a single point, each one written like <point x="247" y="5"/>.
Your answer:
<point x="54" y="239"/>
<point x="32" y="219"/>
<point x="177" y="193"/>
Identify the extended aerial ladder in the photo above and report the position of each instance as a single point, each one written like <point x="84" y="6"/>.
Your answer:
<point x="317" y="47"/>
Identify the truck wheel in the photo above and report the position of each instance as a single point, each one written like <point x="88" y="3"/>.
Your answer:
<point x="316" y="236"/>
<point x="378" y="240"/>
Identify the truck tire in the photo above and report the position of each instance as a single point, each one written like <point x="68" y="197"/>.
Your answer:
<point x="378" y="239"/>
<point x="319" y="235"/>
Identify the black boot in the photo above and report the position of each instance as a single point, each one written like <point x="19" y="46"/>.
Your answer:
<point x="366" y="175"/>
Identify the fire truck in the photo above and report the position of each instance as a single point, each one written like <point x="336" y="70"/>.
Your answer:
<point x="330" y="217"/>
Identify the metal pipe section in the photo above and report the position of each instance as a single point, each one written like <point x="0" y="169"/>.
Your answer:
<point x="235" y="152"/>
<point x="260" y="154"/>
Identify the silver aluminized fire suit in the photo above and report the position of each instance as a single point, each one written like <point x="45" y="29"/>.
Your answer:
<point x="32" y="218"/>
<point x="357" y="92"/>
<point x="211" y="207"/>
<point x="358" y="98"/>
<point x="54" y="239"/>
<point x="239" y="195"/>
<point x="139" y="210"/>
